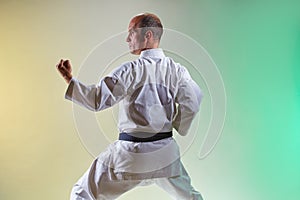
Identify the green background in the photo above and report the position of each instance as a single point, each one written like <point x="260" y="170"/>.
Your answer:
<point x="255" y="44"/>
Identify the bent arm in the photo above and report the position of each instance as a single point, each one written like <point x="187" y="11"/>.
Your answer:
<point x="95" y="97"/>
<point x="188" y="98"/>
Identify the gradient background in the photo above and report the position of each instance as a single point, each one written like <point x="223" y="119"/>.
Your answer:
<point x="256" y="45"/>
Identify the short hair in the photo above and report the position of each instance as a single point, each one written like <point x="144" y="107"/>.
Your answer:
<point x="148" y="21"/>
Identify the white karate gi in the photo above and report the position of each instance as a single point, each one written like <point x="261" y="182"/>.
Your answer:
<point x="155" y="94"/>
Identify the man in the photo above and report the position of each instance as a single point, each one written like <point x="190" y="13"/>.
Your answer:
<point x="155" y="95"/>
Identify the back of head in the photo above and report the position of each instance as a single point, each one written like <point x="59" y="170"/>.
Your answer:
<point x="148" y="21"/>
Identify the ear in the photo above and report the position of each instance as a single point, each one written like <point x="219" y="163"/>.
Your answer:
<point x="148" y="34"/>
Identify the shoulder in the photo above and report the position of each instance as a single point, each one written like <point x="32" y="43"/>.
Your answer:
<point x="181" y="71"/>
<point x="126" y="72"/>
<point x="125" y="68"/>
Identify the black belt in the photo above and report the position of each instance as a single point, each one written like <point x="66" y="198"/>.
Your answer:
<point x="144" y="137"/>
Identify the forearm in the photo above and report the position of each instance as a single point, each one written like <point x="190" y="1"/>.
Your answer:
<point x="188" y="99"/>
<point x="183" y="120"/>
<point x="94" y="97"/>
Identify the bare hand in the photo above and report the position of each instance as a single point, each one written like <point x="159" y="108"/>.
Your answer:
<point x="65" y="69"/>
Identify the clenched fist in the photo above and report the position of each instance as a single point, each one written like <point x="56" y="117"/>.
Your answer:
<point x="65" y="69"/>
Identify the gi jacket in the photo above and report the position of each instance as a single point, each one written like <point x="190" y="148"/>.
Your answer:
<point x="155" y="94"/>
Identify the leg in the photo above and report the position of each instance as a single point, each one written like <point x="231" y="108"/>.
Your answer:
<point x="96" y="185"/>
<point x="179" y="187"/>
<point x="82" y="190"/>
<point x="113" y="189"/>
<point x="108" y="190"/>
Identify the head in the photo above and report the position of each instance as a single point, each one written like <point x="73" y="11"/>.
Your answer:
<point x="144" y="32"/>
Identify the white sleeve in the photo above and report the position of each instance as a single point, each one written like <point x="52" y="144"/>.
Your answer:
<point x="95" y="97"/>
<point x="188" y="99"/>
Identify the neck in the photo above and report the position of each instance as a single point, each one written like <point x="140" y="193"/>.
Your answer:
<point x="147" y="48"/>
<point x="150" y="45"/>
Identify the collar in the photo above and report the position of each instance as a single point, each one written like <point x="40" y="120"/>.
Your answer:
<point x="154" y="53"/>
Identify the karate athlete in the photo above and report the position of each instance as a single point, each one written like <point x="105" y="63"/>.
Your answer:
<point x="155" y="95"/>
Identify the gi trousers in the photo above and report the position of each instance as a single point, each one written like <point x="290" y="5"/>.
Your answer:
<point x="178" y="188"/>
<point x="106" y="180"/>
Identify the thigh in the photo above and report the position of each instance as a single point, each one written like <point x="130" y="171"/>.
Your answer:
<point x="96" y="184"/>
<point x="86" y="187"/>
<point x="108" y="190"/>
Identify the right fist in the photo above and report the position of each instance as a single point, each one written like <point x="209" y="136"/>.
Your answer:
<point x="65" y="69"/>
